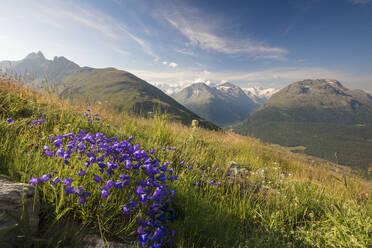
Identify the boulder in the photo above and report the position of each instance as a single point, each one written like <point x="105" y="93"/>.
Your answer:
<point x="11" y="207"/>
<point x="237" y="171"/>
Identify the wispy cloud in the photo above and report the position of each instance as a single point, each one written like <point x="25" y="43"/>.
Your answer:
<point x="119" y="50"/>
<point x="96" y="20"/>
<point x="202" y="34"/>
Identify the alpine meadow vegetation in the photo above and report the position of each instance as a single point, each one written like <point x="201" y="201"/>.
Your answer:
<point x="158" y="183"/>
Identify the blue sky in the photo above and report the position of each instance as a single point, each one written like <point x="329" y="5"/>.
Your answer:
<point x="173" y="43"/>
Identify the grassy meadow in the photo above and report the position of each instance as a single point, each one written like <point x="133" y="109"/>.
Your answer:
<point x="303" y="204"/>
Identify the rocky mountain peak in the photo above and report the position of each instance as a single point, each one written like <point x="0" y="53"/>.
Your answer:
<point x="39" y="55"/>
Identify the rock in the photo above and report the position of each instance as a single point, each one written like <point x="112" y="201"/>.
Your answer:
<point x="11" y="205"/>
<point x="95" y="241"/>
<point x="237" y="171"/>
<point x="239" y="175"/>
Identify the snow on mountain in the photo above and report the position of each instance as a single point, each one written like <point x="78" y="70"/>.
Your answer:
<point x="259" y="94"/>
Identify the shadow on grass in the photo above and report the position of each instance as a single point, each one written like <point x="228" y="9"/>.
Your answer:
<point x="212" y="223"/>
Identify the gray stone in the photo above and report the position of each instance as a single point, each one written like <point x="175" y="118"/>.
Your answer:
<point x="11" y="194"/>
<point x="95" y="241"/>
<point x="237" y="171"/>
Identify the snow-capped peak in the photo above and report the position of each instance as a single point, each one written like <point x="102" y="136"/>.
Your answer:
<point x="260" y="92"/>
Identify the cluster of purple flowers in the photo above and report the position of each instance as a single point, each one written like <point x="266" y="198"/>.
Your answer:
<point x="91" y="116"/>
<point x="34" y="122"/>
<point x="122" y="166"/>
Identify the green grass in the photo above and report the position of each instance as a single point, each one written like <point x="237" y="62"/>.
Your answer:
<point x="312" y="206"/>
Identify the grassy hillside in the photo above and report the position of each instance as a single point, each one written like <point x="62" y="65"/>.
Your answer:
<point x="298" y="205"/>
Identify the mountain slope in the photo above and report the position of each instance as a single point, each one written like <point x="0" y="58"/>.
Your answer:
<point x="329" y="120"/>
<point x="111" y="87"/>
<point x="223" y="104"/>
<point x="124" y="91"/>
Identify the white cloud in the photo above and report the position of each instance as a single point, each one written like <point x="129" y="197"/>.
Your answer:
<point x="202" y="34"/>
<point x="173" y="65"/>
<point x="165" y="62"/>
<point x="185" y="51"/>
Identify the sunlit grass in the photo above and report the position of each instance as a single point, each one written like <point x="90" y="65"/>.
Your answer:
<point x="306" y="205"/>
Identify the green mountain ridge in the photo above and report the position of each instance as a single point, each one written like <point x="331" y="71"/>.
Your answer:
<point x="111" y="87"/>
<point x="330" y="121"/>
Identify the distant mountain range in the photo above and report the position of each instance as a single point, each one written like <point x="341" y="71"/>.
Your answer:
<point x="222" y="104"/>
<point x="321" y="116"/>
<point x="111" y="87"/>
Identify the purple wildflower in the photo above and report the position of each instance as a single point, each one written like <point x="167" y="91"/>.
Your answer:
<point x="109" y="184"/>
<point x="34" y="180"/>
<point x="140" y="190"/>
<point x="119" y="184"/>
<point x="140" y="230"/>
<point x="44" y="178"/>
<point x="126" y="209"/>
<point x="67" y="181"/>
<point x="143" y="239"/>
<point x="49" y="153"/>
<point x="104" y="193"/>
<point x="82" y="200"/>
<point x="41" y="120"/>
<point x="133" y="204"/>
<point x="124" y="177"/>
<point x="97" y="179"/>
<point x="70" y="190"/>
<point x="56" y="180"/>
<point x="10" y="120"/>
<point x="81" y="173"/>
